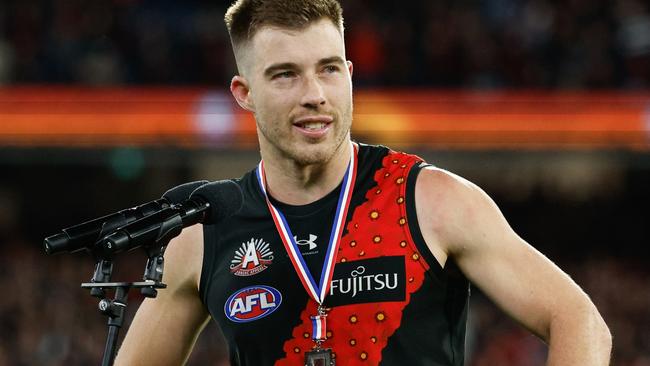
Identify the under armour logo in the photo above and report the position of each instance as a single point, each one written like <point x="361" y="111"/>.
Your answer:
<point x="311" y="241"/>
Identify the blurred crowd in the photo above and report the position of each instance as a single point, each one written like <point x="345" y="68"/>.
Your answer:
<point x="47" y="319"/>
<point x="547" y="44"/>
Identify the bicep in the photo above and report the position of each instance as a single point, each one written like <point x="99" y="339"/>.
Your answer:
<point x="165" y="328"/>
<point x="518" y="278"/>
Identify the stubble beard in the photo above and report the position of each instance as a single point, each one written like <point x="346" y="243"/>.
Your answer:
<point x="305" y="154"/>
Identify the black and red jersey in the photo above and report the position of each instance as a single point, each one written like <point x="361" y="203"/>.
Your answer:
<point x="391" y="301"/>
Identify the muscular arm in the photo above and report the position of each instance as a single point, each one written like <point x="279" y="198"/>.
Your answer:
<point x="459" y="220"/>
<point x="165" y="329"/>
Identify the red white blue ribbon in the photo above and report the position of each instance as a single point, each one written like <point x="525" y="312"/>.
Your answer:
<point x="319" y="327"/>
<point x="316" y="291"/>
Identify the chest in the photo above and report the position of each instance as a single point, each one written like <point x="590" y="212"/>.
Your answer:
<point x="253" y="278"/>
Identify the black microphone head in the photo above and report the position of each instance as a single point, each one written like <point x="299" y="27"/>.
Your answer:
<point x="225" y="198"/>
<point x="182" y="192"/>
<point x="57" y="243"/>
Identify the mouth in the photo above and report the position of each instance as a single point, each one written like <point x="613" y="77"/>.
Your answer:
<point x="313" y="123"/>
<point x="312" y="126"/>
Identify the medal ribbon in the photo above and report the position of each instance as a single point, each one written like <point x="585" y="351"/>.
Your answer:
<point x="316" y="291"/>
<point x="318" y="327"/>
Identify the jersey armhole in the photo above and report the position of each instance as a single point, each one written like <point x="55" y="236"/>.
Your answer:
<point x="209" y="238"/>
<point x="414" y="225"/>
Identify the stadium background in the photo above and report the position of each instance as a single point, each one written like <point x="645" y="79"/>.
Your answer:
<point x="545" y="104"/>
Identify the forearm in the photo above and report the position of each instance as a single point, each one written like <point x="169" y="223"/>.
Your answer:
<point x="579" y="337"/>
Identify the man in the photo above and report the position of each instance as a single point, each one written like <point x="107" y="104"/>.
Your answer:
<point x="342" y="250"/>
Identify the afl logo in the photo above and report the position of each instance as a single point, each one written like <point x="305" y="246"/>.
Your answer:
<point x="251" y="258"/>
<point x="252" y="303"/>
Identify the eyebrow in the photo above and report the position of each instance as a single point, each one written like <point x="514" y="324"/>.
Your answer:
<point x="269" y="71"/>
<point x="331" y="60"/>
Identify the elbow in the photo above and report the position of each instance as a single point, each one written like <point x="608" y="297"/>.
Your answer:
<point x="595" y="325"/>
<point x="598" y="332"/>
<point x="580" y="336"/>
<point x="603" y="338"/>
<point x="604" y="334"/>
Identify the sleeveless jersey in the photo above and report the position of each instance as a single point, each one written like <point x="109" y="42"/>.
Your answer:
<point x="391" y="301"/>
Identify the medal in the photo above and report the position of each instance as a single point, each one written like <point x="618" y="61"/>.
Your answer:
<point x="318" y="356"/>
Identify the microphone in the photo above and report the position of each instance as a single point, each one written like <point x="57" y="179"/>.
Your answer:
<point x="85" y="235"/>
<point x="208" y="204"/>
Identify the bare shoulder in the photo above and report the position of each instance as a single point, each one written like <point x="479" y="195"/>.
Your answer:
<point x="184" y="258"/>
<point x="442" y="186"/>
<point x="189" y="244"/>
<point x="448" y="207"/>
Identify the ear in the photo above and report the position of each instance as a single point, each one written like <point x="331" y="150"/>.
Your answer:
<point x="241" y="91"/>
<point x="349" y="63"/>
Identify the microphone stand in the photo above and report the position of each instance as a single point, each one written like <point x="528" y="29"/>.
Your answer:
<point x="114" y="309"/>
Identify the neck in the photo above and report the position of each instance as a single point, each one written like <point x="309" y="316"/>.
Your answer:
<point x="296" y="184"/>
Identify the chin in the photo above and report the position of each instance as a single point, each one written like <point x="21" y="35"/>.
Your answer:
<point x="312" y="155"/>
<point x="311" y="158"/>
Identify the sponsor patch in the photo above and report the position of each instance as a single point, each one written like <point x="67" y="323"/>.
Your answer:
<point x="252" y="303"/>
<point x="369" y="280"/>
<point x="251" y="258"/>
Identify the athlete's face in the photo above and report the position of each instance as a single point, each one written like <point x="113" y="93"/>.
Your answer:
<point x="298" y="85"/>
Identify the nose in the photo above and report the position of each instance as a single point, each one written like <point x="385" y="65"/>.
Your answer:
<point x="314" y="95"/>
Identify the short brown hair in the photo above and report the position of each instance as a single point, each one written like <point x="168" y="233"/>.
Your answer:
<point x="245" y="17"/>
